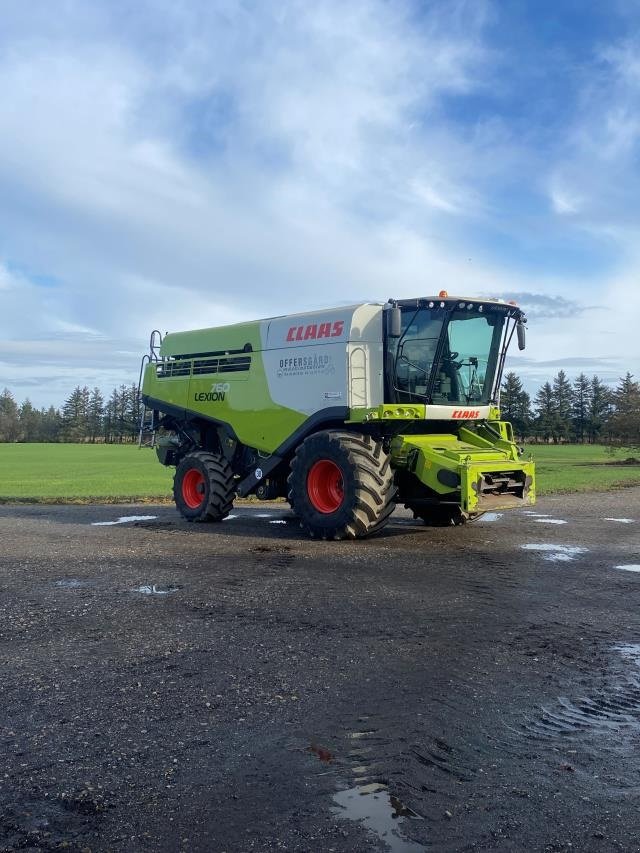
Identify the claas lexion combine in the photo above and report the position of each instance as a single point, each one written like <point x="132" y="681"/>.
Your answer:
<point x="344" y="412"/>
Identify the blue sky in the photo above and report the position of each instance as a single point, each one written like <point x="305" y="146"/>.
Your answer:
<point x="175" y="165"/>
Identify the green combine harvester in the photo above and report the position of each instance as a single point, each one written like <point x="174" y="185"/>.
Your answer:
<point x="344" y="412"/>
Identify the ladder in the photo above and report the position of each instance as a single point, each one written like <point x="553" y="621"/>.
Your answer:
<point x="148" y="417"/>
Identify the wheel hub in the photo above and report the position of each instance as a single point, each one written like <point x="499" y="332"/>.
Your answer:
<point x="325" y="486"/>
<point x="193" y="488"/>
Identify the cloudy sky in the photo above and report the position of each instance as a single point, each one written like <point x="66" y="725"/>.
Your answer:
<point x="175" y="165"/>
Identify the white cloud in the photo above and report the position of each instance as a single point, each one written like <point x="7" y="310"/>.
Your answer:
<point x="185" y="165"/>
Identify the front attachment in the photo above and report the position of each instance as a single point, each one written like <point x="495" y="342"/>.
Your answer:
<point x="475" y="470"/>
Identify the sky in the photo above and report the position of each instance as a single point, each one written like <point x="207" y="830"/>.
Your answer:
<point x="176" y="165"/>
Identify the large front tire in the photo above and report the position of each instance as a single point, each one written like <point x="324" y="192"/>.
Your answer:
<point x="203" y="487"/>
<point x="341" y="485"/>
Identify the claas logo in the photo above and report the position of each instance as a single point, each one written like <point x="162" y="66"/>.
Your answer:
<point x="315" y="331"/>
<point x="465" y="414"/>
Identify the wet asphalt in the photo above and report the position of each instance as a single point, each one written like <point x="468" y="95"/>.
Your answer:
<point x="236" y="687"/>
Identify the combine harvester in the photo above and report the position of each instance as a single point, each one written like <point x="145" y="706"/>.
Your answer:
<point x="344" y="412"/>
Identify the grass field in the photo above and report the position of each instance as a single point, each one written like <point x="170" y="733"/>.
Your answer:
<point x="63" y="473"/>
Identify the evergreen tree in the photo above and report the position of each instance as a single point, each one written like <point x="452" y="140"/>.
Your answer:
<point x="624" y="424"/>
<point x="546" y="419"/>
<point x="515" y="405"/>
<point x="30" y="422"/>
<point x="563" y="401"/>
<point x="75" y="415"/>
<point x="599" y="408"/>
<point x="95" y="414"/>
<point x="580" y="406"/>
<point x="51" y="424"/>
<point x="9" y="417"/>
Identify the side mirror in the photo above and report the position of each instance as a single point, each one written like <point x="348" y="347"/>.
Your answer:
<point x="394" y="322"/>
<point x="522" y="335"/>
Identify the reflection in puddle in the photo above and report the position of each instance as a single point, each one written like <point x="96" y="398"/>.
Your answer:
<point x="490" y="516"/>
<point x="71" y="583"/>
<point x="632" y="567"/>
<point x="229" y="517"/>
<point x="263" y="515"/>
<point x="156" y="589"/>
<point x="279" y="521"/>
<point x="557" y="553"/>
<point x="550" y="521"/>
<point x="534" y="514"/>
<point x="322" y="752"/>
<point x="629" y="650"/>
<point x="622" y="520"/>
<point x="123" y="520"/>
<point x="379" y="811"/>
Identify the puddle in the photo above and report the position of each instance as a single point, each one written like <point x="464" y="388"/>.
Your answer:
<point x="278" y="521"/>
<point x="557" y="553"/>
<point x="550" y="521"/>
<point x="632" y="567"/>
<point x="379" y="811"/>
<point x="229" y="517"/>
<point x="490" y="516"/>
<point x="629" y="650"/>
<point x="263" y="515"/>
<point x="621" y="520"/>
<point x="534" y="514"/>
<point x="156" y="589"/>
<point x="123" y="520"/>
<point x="71" y="583"/>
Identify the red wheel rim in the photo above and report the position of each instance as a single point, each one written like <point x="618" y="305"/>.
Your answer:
<point x="324" y="486"/>
<point x="193" y="488"/>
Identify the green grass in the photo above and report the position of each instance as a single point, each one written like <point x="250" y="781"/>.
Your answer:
<point x="83" y="473"/>
<point x="580" y="468"/>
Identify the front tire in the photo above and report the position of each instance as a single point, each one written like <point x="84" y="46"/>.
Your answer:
<point x="341" y="485"/>
<point x="203" y="487"/>
<point x="441" y="516"/>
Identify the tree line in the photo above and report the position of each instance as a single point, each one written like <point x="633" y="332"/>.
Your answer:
<point x="585" y="410"/>
<point x="86" y="416"/>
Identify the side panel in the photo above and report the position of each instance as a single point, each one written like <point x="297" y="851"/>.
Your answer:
<point x="240" y="399"/>
<point x="300" y="365"/>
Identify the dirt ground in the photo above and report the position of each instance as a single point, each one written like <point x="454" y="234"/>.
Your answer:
<point x="235" y="687"/>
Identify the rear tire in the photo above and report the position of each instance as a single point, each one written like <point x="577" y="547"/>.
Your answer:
<point x="203" y="487"/>
<point x="341" y="485"/>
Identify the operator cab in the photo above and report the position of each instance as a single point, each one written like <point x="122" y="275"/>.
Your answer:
<point x="448" y="351"/>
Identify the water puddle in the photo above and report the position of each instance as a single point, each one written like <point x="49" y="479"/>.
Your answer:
<point x="556" y="553"/>
<point x="72" y="583"/>
<point x="229" y="517"/>
<point x="123" y="520"/>
<point x="550" y="521"/>
<point x="263" y="515"/>
<point x="534" y="514"/>
<point x="156" y="589"/>
<point x="632" y="567"/>
<point x="279" y="521"/>
<point x="631" y="651"/>
<point x="380" y="812"/>
<point x="622" y="520"/>
<point x="490" y="516"/>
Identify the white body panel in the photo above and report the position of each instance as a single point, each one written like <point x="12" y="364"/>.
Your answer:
<point x="325" y="358"/>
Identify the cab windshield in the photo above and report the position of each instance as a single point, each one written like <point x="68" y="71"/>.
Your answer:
<point x="445" y="356"/>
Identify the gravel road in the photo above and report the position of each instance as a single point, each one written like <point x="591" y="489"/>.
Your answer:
<point x="235" y="687"/>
